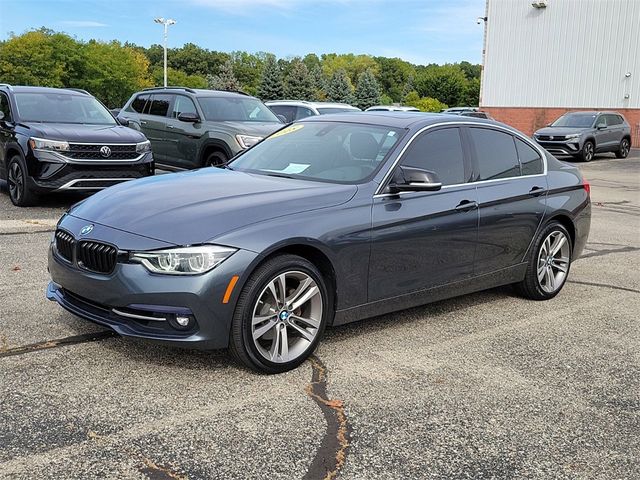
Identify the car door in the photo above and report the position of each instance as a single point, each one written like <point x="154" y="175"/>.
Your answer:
<point x="182" y="137"/>
<point x="511" y="189"/>
<point x="153" y="123"/>
<point x="6" y="132"/>
<point x="615" y="126"/>
<point x="602" y="133"/>
<point x="421" y="240"/>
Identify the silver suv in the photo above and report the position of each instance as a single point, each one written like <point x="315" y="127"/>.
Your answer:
<point x="583" y="134"/>
<point x="293" y="110"/>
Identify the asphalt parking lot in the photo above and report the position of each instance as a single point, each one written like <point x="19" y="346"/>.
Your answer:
<point x="483" y="386"/>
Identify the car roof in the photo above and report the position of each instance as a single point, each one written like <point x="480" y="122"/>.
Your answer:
<point x="310" y="104"/>
<point x="59" y="91"/>
<point x="203" y="92"/>
<point x="592" y="112"/>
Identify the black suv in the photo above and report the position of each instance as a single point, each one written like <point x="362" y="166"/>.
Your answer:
<point x="191" y="128"/>
<point x="57" y="139"/>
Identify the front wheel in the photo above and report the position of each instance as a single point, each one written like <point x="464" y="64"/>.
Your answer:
<point x="280" y="315"/>
<point x="549" y="262"/>
<point x="588" y="151"/>
<point x="19" y="192"/>
<point x="215" y="159"/>
<point x="623" y="150"/>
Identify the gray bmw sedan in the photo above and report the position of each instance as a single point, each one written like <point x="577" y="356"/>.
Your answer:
<point x="329" y="220"/>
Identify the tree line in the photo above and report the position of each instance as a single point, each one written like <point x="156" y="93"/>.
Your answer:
<point x="112" y="71"/>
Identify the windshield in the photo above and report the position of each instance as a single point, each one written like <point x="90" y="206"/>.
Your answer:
<point x="324" y="151"/>
<point x="62" y="108"/>
<point x="236" y="109"/>
<point x="327" y="110"/>
<point x="578" y="120"/>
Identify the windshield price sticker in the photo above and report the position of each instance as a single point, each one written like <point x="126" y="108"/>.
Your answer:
<point x="285" y="131"/>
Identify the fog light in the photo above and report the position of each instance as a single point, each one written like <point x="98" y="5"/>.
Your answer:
<point x="183" y="321"/>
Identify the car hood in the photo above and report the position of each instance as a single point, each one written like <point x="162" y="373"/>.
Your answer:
<point x="259" y="129"/>
<point x="86" y="133"/>
<point x="556" y="131"/>
<point x="197" y="206"/>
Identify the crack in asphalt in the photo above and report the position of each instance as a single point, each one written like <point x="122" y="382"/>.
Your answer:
<point x="604" y="285"/>
<point x="332" y="454"/>
<point x="61" y="342"/>
<point x="607" y="251"/>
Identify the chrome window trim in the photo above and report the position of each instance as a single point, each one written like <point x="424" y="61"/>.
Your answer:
<point x="98" y="161"/>
<point x="489" y="126"/>
<point x="137" y="317"/>
<point x="69" y="185"/>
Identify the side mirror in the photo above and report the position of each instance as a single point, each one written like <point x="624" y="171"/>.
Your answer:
<point x="123" y="121"/>
<point x="411" y="179"/>
<point x="189" y="117"/>
<point x="601" y="126"/>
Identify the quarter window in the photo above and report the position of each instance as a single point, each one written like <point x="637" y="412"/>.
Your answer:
<point x="439" y="152"/>
<point x="496" y="154"/>
<point x="530" y="160"/>
<point x="160" y="105"/>
<point x="138" y="104"/>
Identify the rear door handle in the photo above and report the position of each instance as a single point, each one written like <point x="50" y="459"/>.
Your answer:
<point x="535" y="191"/>
<point x="171" y="127"/>
<point x="465" y="205"/>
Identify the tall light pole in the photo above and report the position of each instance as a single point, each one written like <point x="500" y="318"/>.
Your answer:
<point x="166" y="23"/>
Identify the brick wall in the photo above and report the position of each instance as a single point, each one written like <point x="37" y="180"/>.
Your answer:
<point x="530" y="119"/>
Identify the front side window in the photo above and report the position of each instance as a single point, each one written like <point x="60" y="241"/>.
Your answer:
<point x="575" y="120"/>
<point x="138" y="104"/>
<point x="160" y="105"/>
<point x="530" y="159"/>
<point x="303" y="112"/>
<point x="287" y="111"/>
<point x="236" y="109"/>
<point x="322" y="151"/>
<point x="439" y="152"/>
<point x="496" y="154"/>
<point x="182" y="105"/>
<point x="4" y="107"/>
<point x="62" y="108"/>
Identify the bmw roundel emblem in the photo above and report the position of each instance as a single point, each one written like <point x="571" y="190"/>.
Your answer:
<point x="105" y="151"/>
<point x="86" y="230"/>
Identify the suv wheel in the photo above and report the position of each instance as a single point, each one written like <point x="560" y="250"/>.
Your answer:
<point x="588" y="151"/>
<point x="215" y="159"/>
<point x="623" y="150"/>
<point x="19" y="192"/>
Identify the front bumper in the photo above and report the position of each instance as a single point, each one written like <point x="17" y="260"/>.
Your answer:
<point x="130" y="288"/>
<point x="566" y="147"/>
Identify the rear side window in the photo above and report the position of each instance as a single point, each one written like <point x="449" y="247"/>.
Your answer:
<point x="287" y="111"/>
<point x="530" y="160"/>
<point x="613" y="120"/>
<point x="439" y="152"/>
<point x="138" y="104"/>
<point x="160" y="105"/>
<point x="496" y="154"/>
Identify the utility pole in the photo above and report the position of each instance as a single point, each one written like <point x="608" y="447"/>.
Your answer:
<point x="166" y="23"/>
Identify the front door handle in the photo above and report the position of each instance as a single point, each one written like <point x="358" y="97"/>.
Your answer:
<point x="171" y="127"/>
<point x="142" y="122"/>
<point x="466" y="205"/>
<point x="536" y="191"/>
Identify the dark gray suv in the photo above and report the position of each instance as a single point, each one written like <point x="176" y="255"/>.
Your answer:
<point x="191" y="128"/>
<point x="583" y="134"/>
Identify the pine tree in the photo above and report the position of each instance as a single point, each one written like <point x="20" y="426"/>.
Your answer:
<point x="319" y="83"/>
<point x="225" y="79"/>
<point x="299" y="84"/>
<point x="340" y="88"/>
<point x="271" y="86"/>
<point x="408" y="88"/>
<point x="367" y="92"/>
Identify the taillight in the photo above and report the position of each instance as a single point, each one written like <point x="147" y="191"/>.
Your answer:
<point x="586" y="186"/>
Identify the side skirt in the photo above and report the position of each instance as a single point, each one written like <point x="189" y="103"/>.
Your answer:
<point x="505" y="276"/>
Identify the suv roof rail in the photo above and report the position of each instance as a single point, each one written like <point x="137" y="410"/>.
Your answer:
<point x="5" y="85"/>
<point x="239" y="92"/>
<point x="190" y="90"/>
<point x="79" y="90"/>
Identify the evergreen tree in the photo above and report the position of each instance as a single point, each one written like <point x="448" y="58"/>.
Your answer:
<point x="340" y="88"/>
<point x="319" y="83"/>
<point x="225" y="79"/>
<point x="271" y="86"/>
<point x="299" y="84"/>
<point x="367" y="92"/>
<point x="408" y="88"/>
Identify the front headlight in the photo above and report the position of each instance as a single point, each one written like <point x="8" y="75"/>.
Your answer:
<point x="51" y="145"/>
<point x="246" y="141"/>
<point x="143" y="147"/>
<point x="183" y="260"/>
<point x="573" y="136"/>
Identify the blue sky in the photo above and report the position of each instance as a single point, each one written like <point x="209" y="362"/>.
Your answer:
<point x="420" y="31"/>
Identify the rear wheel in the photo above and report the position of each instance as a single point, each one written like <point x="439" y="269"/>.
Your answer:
<point x="280" y="315"/>
<point x="623" y="150"/>
<point x="588" y="151"/>
<point x="215" y="159"/>
<point x="19" y="191"/>
<point x="548" y="263"/>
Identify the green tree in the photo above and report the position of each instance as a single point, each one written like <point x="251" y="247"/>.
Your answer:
<point x="394" y="75"/>
<point x="352" y="64"/>
<point x="225" y="79"/>
<point x="471" y="93"/>
<point x="271" y="86"/>
<point x="319" y="84"/>
<point x="298" y="85"/>
<point x="177" y="78"/>
<point x="340" y="88"/>
<point x="367" y="91"/>
<point x="445" y="83"/>
<point x="425" y="104"/>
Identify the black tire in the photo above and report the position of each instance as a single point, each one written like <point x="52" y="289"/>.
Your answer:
<point x="19" y="192"/>
<point x="588" y="151"/>
<point x="531" y="286"/>
<point x="215" y="159"/>
<point x="241" y="343"/>
<point x="623" y="149"/>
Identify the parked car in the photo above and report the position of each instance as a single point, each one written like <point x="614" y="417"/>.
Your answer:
<point x="458" y="110"/>
<point x="293" y="110"/>
<point x="583" y="134"/>
<point x="191" y="128"/>
<point x="477" y="114"/>
<point x="330" y="220"/>
<point x="54" y="139"/>
<point x="391" y="108"/>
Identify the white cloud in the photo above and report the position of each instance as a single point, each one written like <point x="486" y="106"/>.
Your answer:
<point x="82" y="23"/>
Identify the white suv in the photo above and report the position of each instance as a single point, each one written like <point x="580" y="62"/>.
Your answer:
<point x="293" y="110"/>
<point x="391" y="108"/>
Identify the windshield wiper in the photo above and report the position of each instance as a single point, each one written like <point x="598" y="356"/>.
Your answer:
<point x="281" y="175"/>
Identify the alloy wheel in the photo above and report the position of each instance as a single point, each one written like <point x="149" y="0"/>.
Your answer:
<point x="624" y="148"/>
<point x="286" y="317"/>
<point x="15" y="179"/>
<point x="553" y="261"/>
<point x="588" y="151"/>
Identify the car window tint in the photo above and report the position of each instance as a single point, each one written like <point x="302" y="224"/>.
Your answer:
<point x="303" y="112"/>
<point x="496" y="154"/>
<point x="139" y="102"/>
<point x="160" y="105"/>
<point x="620" y="119"/>
<point x="613" y="120"/>
<point x="530" y="159"/>
<point x="439" y="152"/>
<point x="182" y="105"/>
<point x="287" y="111"/>
<point x="4" y="106"/>
<point x="602" y="121"/>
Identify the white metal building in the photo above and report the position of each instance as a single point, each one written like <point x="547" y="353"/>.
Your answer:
<point x="544" y="57"/>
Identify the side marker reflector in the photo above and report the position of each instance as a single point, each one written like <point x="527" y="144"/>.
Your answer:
<point x="230" y="287"/>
